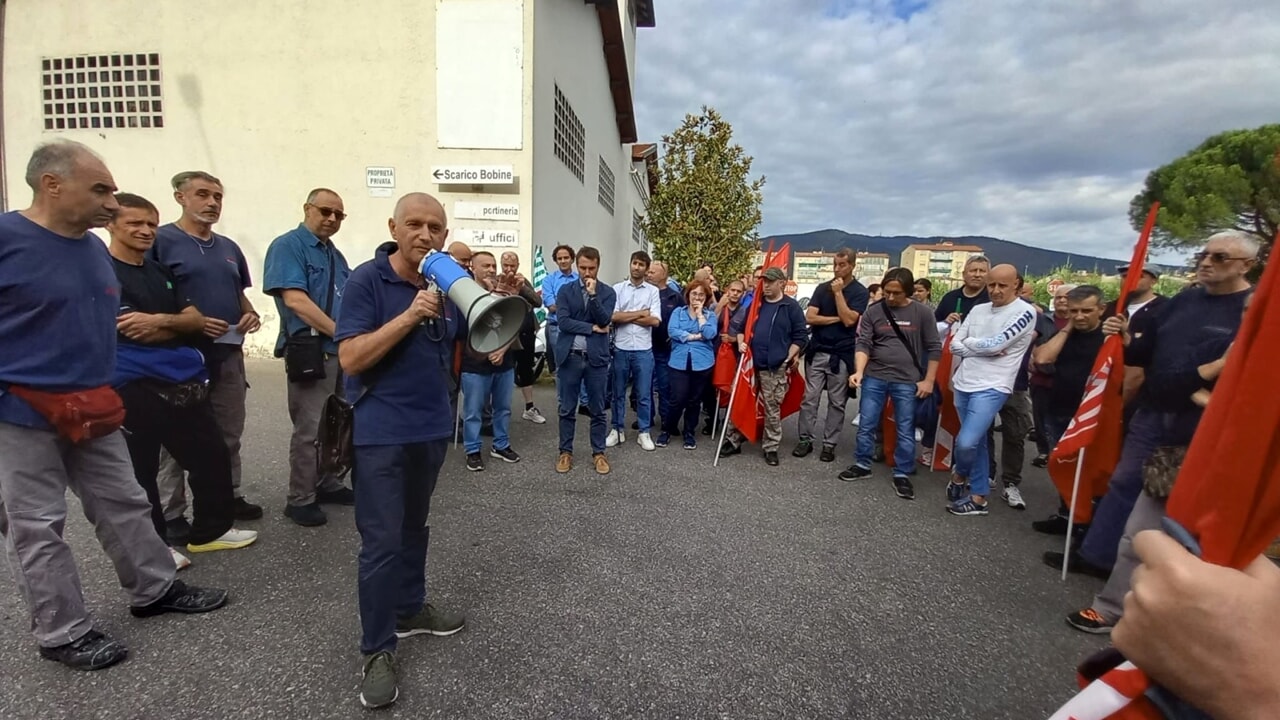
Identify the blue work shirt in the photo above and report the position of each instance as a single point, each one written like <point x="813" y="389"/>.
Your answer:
<point x="59" y="298"/>
<point x="409" y="398"/>
<point x="213" y="274"/>
<point x="688" y="340"/>
<point x="298" y="260"/>
<point x="551" y="285"/>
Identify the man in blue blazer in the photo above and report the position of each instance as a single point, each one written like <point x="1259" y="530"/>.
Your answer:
<point x="584" y="310"/>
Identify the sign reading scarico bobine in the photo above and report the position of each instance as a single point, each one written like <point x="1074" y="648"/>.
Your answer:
<point x="474" y="174"/>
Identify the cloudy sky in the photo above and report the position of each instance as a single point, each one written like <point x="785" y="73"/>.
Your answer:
<point x="1031" y="120"/>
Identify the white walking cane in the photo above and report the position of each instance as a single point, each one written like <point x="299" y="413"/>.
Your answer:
<point x="724" y="429"/>
<point x="1071" y="513"/>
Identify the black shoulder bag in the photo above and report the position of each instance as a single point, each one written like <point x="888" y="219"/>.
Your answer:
<point x="304" y="350"/>
<point x="334" y="438"/>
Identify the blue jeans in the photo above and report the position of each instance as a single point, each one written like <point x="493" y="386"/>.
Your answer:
<point x="477" y="390"/>
<point x="662" y="381"/>
<point x="553" y="334"/>
<point x="575" y="373"/>
<point x="871" y="407"/>
<point x="1101" y="542"/>
<point x="393" y="486"/>
<point x="977" y="411"/>
<point x="635" y="366"/>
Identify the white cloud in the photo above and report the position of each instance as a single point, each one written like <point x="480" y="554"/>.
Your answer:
<point x="1031" y="121"/>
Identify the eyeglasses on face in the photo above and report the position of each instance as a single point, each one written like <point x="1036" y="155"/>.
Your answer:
<point x="328" y="211"/>
<point x="1217" y="258"/>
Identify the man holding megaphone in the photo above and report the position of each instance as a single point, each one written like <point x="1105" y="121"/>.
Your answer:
<point x="395" y="336"/>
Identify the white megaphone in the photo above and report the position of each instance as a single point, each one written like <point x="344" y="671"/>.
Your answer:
<point x="492" y="320"/>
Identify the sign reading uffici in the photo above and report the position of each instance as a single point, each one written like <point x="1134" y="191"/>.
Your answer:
<point x="485" y="238"/>
<point x="471" y="210"/>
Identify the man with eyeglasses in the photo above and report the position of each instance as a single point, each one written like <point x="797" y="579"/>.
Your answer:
<point x="305" y="273"/>
<point x="1208" y="313"/>
<point x="212" y="271"/>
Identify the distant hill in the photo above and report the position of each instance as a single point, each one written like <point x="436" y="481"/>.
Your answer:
<point x="1031" y="260"/>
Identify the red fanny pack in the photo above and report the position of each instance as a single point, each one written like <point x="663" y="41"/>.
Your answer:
<point x="79" y="415"/>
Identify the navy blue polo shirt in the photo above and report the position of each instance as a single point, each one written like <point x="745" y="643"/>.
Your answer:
<point x="298" y="260"/>
<point x="409" y="399"/>
<point x="58" y="303"/>
<point x="212" y="274"/>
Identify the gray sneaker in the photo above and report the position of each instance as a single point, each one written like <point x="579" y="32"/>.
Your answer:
<point x="378" y="684"/>
<point x="430" y="621"/>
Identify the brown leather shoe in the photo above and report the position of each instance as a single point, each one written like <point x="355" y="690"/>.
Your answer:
<point x="565" y="463"/>
<point x="602" y="464"/>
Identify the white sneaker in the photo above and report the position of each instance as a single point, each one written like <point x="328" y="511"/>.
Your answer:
<point x="645" y="442"/>
<point x="232" y="539"/>
<point x="615" y="438"/>
<point x="1013" y="496"/>
<point x="926" y="458"/>
<point x="856" y="420"/>
<point x="533" y="416"/>
<point x="919" y="434"/>
<point x="180" y="561"/>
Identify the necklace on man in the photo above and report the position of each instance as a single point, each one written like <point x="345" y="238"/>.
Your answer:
<point x="199" y="243"/>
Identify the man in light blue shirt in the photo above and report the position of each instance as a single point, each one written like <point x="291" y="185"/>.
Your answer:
<point x="551" y="284"/>
<point x="306" y="274"/>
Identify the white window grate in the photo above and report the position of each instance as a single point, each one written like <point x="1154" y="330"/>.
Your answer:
<point x="571" y="138"/>
<point x="606" y="186"/>
<point x="84" y="92"/>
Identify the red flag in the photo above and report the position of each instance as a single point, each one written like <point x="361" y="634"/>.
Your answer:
<point x="726" y="367"/>
<point x="780" y="259"/>
<point x="948" y="418"/>
<point x="1098" y="422"/>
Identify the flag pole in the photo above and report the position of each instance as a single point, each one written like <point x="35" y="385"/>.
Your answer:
<point x="1071" y="513"/>
<point x="724" y="429"/>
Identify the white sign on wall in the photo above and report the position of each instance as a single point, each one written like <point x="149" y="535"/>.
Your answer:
<point x="468" y="210"/>
<point x="380" y="177"/>
<point x="485" y="238"/>
<point x="474" y="174"/>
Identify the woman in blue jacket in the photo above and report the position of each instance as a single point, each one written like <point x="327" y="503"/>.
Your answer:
<point x="691" y="329"/>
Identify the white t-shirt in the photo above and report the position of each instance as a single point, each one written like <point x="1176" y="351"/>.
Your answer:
<point x="632" y="336"/>
<point x="989" y="345"/>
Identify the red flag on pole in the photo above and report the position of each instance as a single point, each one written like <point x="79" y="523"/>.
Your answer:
<point x="1098" y="422"/>
<point x="948" y="419"/>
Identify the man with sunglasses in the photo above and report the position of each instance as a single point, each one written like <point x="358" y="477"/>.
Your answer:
<point x="1208" y="313"/>
<point x="305" y="273"/>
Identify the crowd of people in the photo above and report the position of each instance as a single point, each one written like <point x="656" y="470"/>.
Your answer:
<point x="122" y="377"/>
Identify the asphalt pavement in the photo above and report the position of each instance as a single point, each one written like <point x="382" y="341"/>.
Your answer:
<point x="667" y="589"/>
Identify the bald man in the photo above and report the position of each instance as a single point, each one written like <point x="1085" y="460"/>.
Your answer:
<point x="395" y="345"/>
<point x="461" y="252"/>
<point x="527" y="368"/>
<point x="988" y="348"/>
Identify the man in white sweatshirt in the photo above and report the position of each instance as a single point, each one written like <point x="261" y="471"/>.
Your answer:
<point x="988" y="349"/>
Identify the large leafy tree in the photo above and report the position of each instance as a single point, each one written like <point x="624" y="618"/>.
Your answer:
<point x="1232" y="180"/>
<point x="706" y="206"/>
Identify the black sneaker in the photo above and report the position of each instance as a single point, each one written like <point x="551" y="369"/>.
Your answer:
<point x="1040" y="461"/>
<point x="182" y="598"/>
<point x="379" y="682"/>
<point x="706" y="429"/>
<point x="967" y="507"/>
<point x="690" y="442"/>
<point x="828" y="453"/>
<point x="728" y="449"/>
<point x="853" y="472"/>
<point x="475" y="463"/>
<point x="635" y="424"/>
<point x="1077" y="565"/>
<point x="663" y="439"/>
<point x="771" y="457"/>
<point x="245" y="510"/>
<point x="804" y="447"/>
<point x="430" y="620"/>
<point x="584" y="411"/>
<point x="877" y="455"/>
<point x="902" y="486"/>
<point x="1052" y="525"/>
<point x="306" y="515"/>
<point x="1090" y="621"/>
<point x="506" y="454"/>
<point x="341" y="496"/>
<point x="92" y="651"/>
<point x="178" y="531"/>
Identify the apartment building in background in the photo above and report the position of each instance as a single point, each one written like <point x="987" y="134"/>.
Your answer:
<point x="940" y="260"/>
<point x="517" y="114"/>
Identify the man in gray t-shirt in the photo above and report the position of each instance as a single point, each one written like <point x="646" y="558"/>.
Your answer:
<point x="896" y="357"/>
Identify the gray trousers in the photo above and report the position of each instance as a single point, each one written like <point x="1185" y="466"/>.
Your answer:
<point x="1015" y="423"/>
<point x="36" y="468"/>
<point x="772" y="386"/>
<point x="227" y="393"/>
<point x="306" y="402"/>
<point x="1147" y="514"/>
<point x="819" y="378"/>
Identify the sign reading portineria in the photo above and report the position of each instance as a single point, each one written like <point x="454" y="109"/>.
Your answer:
<point x="475" y="174"/>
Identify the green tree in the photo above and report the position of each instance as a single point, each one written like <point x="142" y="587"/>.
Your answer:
<point x="706" y="206"/>
<point x="1109" y="285"/>
<point x="1232" y="181"/>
